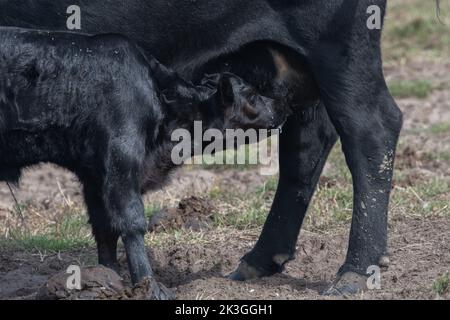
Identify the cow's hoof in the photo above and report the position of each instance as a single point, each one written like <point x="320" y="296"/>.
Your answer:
<point x="347" y="284"/>
<point x="150" y="289"/>
<point x="245" y="272"/>
<point x="384" y="262"/>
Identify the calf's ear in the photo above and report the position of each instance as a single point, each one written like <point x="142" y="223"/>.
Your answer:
<point x="211" y="81"/>
<point x="169" y="97"/>
<point x="166" y="78"/>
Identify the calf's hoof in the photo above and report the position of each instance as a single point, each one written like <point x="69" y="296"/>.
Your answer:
<point x="150" y="289"/>
<point x="161" y="292"/>
<point x="346" y="284"/>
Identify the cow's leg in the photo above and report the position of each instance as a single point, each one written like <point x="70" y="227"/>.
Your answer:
<point x="368" y="122"/>
<point x="105" y="237"/>
<point x="126" y="210"/>
<point x="304" y="148"/>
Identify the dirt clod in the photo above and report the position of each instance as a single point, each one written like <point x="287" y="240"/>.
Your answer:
<point x="192" y="213"/>
<point x="97" y="283"/>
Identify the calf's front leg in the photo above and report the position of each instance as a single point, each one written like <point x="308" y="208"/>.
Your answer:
<point x="126" y="210"/>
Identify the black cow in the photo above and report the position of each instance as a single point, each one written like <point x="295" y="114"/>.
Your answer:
<point x="322" y="42"/>
<point x="92" y="104"/>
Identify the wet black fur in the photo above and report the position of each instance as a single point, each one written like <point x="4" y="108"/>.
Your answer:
<point x="99" y="107"/>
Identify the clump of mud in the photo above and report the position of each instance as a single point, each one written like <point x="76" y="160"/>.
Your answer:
<point x="97" y="283"/>
<point x="194" y="213"/>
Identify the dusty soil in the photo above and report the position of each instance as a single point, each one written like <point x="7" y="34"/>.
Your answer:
<point x="419" y="253"/>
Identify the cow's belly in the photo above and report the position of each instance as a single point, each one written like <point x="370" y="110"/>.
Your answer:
<point x="182" y="34"/>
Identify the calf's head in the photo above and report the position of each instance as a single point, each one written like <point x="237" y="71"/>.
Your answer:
<point x="243" y="107"/>
<point x="223" y="101"/>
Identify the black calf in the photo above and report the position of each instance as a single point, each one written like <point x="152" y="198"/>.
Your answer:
<point x="92" y="104"/>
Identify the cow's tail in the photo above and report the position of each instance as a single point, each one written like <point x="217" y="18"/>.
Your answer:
<point x="438" y="11"/>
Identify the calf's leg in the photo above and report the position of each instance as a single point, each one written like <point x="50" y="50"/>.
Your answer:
<point x="105" y="237"/>
<point x="124" y="205"/>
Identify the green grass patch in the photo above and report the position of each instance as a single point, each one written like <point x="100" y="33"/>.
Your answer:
<point x="253" y="215"/>
<point x="412" y="29"/>
<point x="424" y="198"/>
<point x="338" y="165"/>
<point x="418" y="29"/>
<point x="72" y="232"/>
<point x="439" y="128"/>
<point x="268" y="188"/>
<point x="220" y="194"/>
<point x="439" y="156"/>
<point x="49" y="242"/>
<point x="244" y="211"/>
<point x="434" y="187"/>
<point x="410" y="88"/>
<point x="330" y="207"/>
<point x="151" y="210"/>
<point x="442" y="284"/>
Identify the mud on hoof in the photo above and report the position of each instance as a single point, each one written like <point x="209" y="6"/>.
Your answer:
<point x="347" y="284"/>
<point x="150" y="289"/>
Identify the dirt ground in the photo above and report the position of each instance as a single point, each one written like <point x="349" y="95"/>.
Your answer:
<point x="419" y="249"/>
<point x="419" y="245"/>
<point x="194" y="262"/>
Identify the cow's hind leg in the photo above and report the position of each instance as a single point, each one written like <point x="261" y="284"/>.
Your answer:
<point x="368" y="122"/>
<point x="305" y="143"/>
